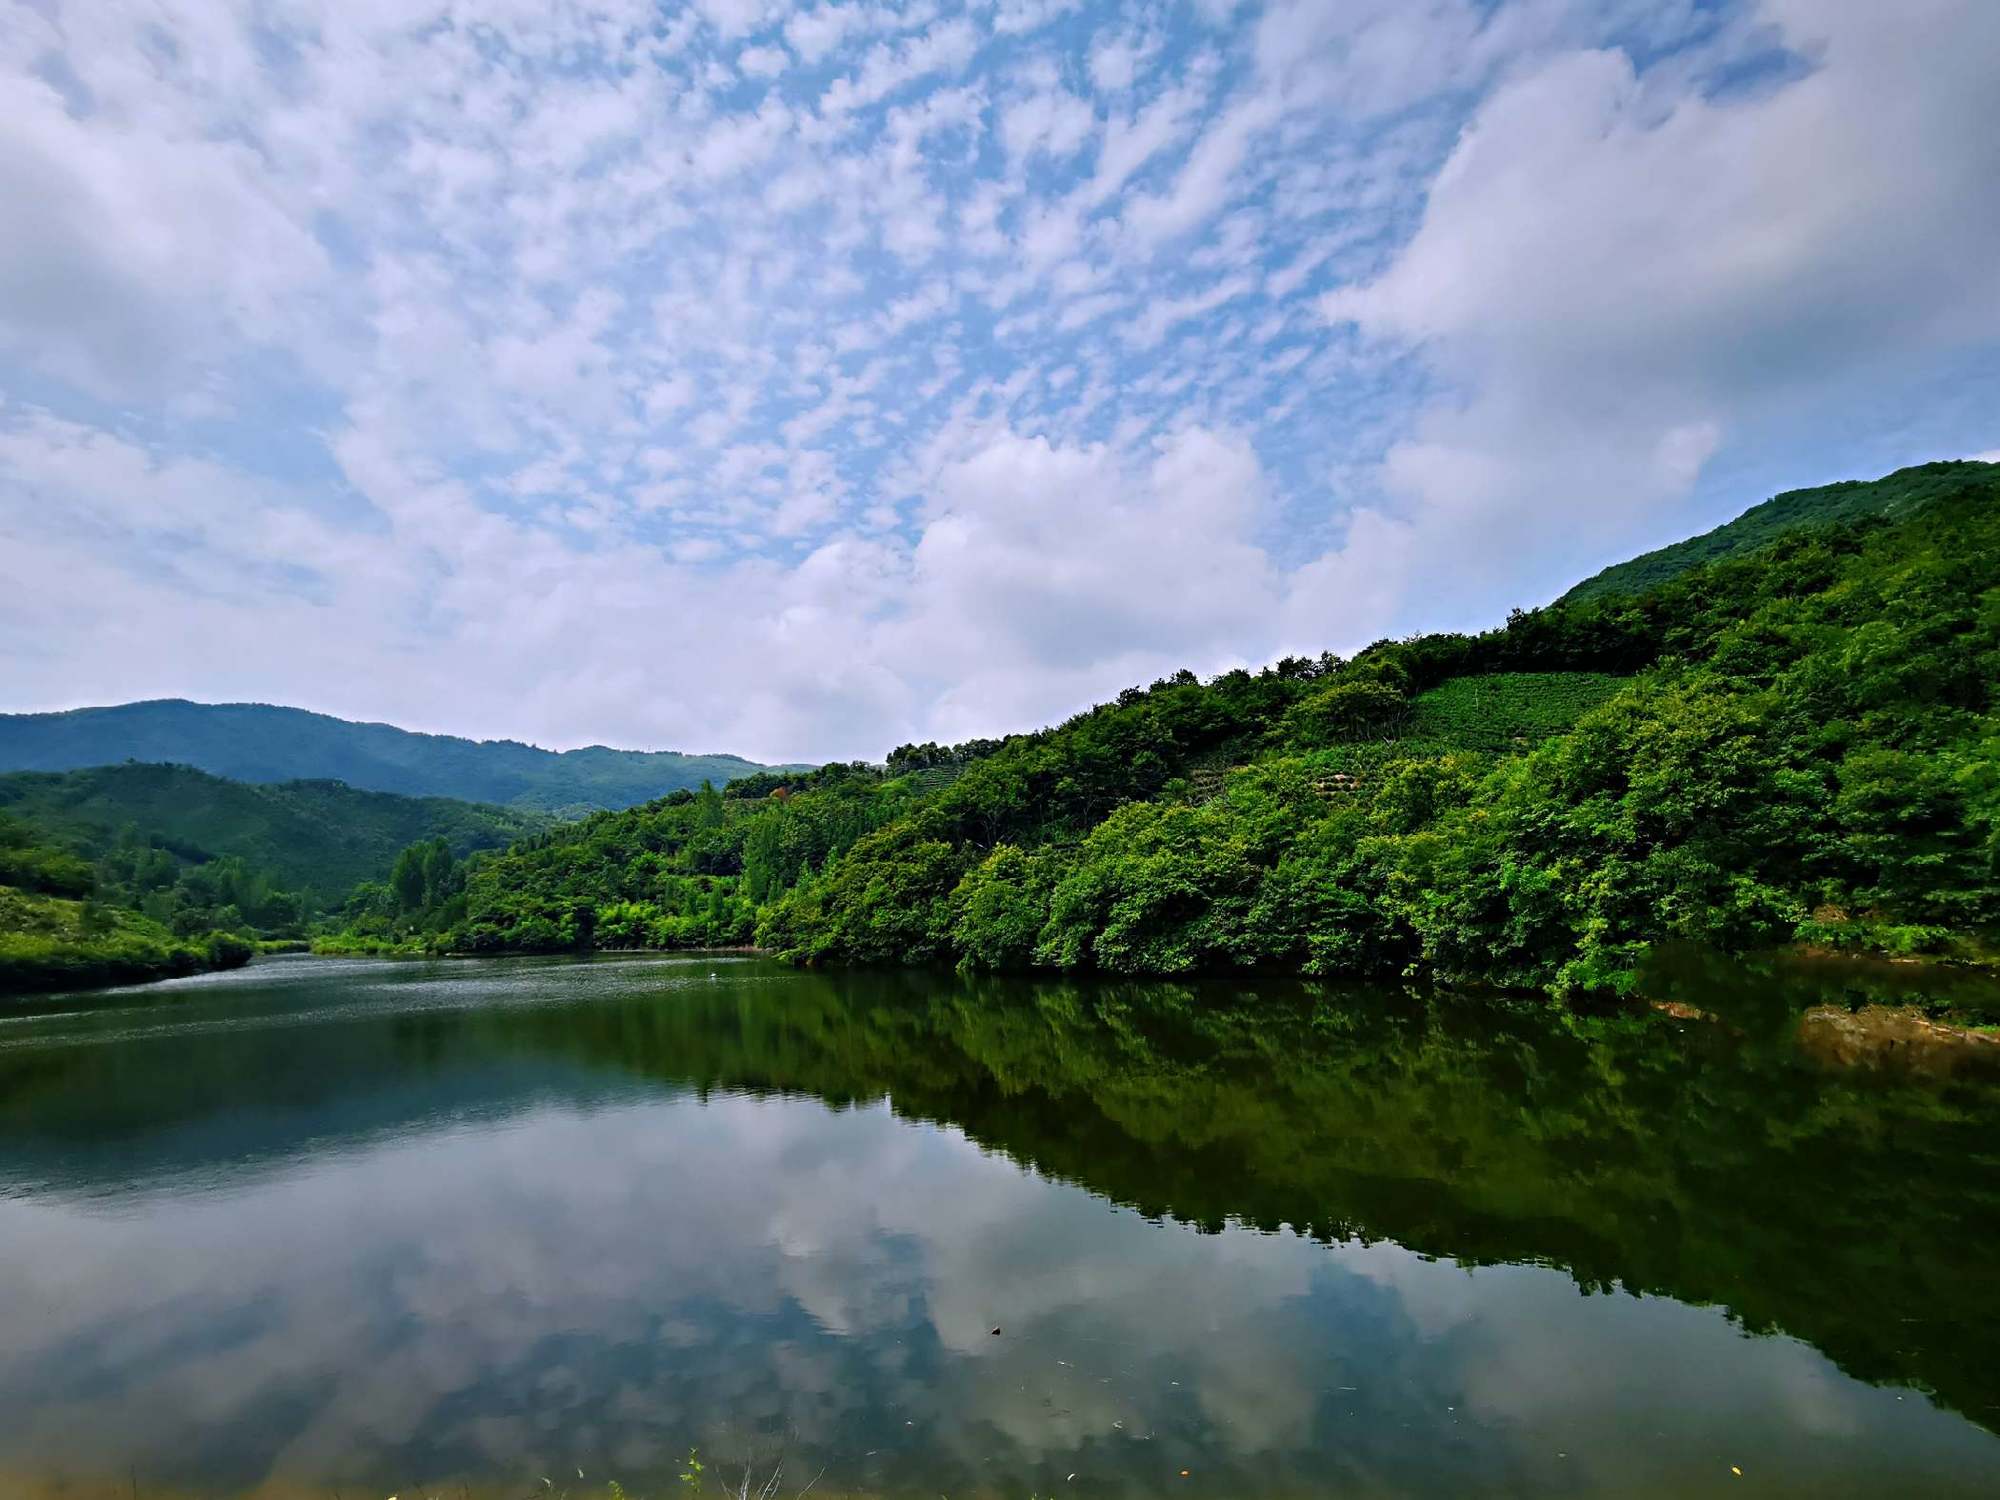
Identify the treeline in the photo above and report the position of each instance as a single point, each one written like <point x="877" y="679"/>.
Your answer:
<point x="1893" y="496"/>
<point x="1799" y="743"/>
<point x="691" y="870"/>
<point x="134" y="872"/>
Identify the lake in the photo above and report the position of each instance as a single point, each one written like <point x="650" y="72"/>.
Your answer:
<point x="325" y="1227"/>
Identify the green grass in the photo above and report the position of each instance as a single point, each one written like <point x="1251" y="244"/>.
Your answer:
<point x="1506" y="710"/>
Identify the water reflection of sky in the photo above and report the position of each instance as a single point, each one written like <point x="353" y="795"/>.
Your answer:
<point x="603" y="1286"/>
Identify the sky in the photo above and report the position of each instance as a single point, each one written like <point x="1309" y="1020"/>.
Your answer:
<point x="800" y="380"/>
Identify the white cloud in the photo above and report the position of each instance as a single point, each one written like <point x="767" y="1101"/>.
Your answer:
<point x="1015" y="17"/>
<point x="1162" y="317"/>
<point x="1115" y="62"/>
<point x="933" y="368"/>
<point x="144" y="253"/>
<point x="816" y="32"/>
<point x="1040" y="560"/>
<point x="889" y="69"/>
<point x="1617" y="280"/>
<point x="733" y="17"/>
<point x="1051" y="122"/>
<point x="762" y="62"/>
<point x="1218" y="11"/>
<point x="1130" y="144"/>
<point x="1206" y="180"/>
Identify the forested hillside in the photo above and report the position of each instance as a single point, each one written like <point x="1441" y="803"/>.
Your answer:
<point x="263" y="743"/>
<point x="316" y="838"/>
<point x="1891" y="497"/>
<point x="137" y="871"/>
<point x="1799" y="742"/>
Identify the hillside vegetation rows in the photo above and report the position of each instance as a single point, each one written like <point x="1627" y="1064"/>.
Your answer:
<point x="1796" y="742"/>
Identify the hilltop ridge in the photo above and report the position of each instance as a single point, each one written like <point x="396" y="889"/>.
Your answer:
<point x="1892" y="497"/>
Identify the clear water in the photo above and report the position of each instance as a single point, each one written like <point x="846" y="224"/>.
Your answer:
<point x="323" y="1227"/>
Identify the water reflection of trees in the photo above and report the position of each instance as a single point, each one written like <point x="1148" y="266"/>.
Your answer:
<point x="1703" y="1161"/>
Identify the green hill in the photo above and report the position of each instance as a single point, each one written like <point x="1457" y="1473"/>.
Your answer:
<point x="315" y="837"/>
<point x="264" y="743"/>
<point x="1799" y="741"/>
<point x="1900" y="494"/>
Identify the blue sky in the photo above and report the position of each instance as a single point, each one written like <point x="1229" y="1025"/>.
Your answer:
<point x="799" y="380"/>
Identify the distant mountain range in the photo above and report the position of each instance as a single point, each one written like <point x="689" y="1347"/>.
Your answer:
<point x="1894" y="496"/>
<point x="262" y="742"/>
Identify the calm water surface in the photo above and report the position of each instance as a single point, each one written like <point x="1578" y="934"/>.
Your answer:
<point x="325" y="1227"/>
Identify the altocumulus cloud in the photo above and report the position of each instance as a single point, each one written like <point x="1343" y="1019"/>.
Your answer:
<point x="802" y="378"/>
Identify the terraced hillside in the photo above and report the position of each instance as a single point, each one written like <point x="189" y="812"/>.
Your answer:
<point x="1505" y="710"/>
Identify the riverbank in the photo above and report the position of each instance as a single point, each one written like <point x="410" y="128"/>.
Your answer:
<point x="347" y="945"/>
<point x="1899" y="943"/>
<point x="49" y="944"/>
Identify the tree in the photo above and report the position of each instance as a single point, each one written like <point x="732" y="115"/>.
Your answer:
<point x="406" y="880"/>
<point x="708" y="811"/>
<point x="439" y="884"/>
<point x="1347" y="711"/>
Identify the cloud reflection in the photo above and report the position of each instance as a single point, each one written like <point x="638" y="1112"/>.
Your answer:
<point x="589" y="1286"/>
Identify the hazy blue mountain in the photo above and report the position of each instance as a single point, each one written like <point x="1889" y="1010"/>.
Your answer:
<point x="262" y="742"/>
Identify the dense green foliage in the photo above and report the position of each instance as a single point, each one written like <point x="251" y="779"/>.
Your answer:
<point x="263" y="743"/>
<point x="687" y="871"/>
<point x="1894" y="496"/>
<point x="1798" y="743"/>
